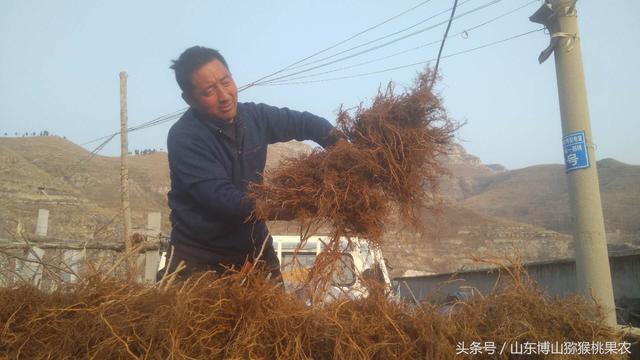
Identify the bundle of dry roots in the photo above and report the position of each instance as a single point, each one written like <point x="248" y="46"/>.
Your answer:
<point x="388" y="161"/>
<point x="240" y="317"/>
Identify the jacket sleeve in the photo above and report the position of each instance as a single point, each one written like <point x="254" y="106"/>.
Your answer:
<point x="205" y="178"/>
<point x="283" y="124"/>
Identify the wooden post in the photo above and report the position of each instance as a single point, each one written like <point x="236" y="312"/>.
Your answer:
<point x="124" y="170"/>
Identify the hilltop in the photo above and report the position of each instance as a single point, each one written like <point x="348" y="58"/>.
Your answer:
<point x="538" y="195"/>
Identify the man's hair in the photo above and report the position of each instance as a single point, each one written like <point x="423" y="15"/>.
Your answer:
<point x="191" y="60"/>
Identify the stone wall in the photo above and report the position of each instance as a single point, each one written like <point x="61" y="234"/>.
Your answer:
<point x="406" y="251"/>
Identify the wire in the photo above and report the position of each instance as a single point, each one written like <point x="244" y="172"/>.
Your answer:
<point x="95" y="151"/>
<point x="336" y="44"/>
<point x="407" y="65"/>
<point x="169" y="117"/>
<point x="378" y="46"/>
<point x="463" y="32"/>
<point x="107" y="138"/>
<point x="444" y="38"/>
<point x="174" y="115"/>
<point x="382" y="37"/>
<point x="157" y="120"/>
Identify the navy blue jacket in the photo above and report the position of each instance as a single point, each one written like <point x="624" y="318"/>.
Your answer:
<point x="210" y="172"/>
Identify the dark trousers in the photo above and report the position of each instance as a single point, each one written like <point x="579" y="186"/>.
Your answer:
<point x="268" y="263"/>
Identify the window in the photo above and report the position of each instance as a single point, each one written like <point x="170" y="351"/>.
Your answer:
<point x="295" y="268"/>
<point x="344" y="272"/>
<point x="292" y="261"/>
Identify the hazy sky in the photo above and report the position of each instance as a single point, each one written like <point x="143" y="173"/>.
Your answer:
<point x="60" y="63"/>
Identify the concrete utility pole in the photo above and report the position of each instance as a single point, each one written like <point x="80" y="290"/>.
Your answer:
<point x="592" y="258"/>
<point x="42" y="224"/>
<point x="124" y="170"/>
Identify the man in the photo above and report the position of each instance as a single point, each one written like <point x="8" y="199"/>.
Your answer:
<point x="216" y="148"/>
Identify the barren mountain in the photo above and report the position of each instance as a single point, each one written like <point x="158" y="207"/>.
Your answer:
<point x="82" y="191"/>
<point x="488" y="210"/>
<point x="538" y="195"/>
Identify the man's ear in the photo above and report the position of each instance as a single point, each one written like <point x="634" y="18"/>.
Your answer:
<point x="187" y="98"/>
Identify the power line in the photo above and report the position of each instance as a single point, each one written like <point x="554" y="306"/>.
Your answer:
<point x="249" y="85"/>
<point x="157" y="120"/>
<point x="95" y="151"/>
<point x="377" y="46"/>
<point x="174" y="115"/>
<point x="407" y="65"/>
<point x="466" y="31"/>
<point x="336" y="44"/>
<point x="107" y="138"/>
<point x="382" y="37"/>
<point x="444" y="38"/>
<point x="171" y="116"/>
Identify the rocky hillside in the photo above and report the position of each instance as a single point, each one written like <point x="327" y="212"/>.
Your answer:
<point x="50" y="173"/>
<point x="488" y="210"/>
<point x="82" y="191"/>
<point x="538" y="195"/>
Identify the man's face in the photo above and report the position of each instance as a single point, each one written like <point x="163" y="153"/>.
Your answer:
<point x="213" y="93"/>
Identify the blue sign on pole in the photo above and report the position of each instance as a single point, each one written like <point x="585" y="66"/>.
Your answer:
<point x="576" y="155"/>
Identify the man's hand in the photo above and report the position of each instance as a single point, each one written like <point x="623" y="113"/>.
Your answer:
<point x="334" y="137"/>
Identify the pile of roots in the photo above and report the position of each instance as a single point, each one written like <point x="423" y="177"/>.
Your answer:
<point x="248" y="317"/>
<point x="388" y="160"/>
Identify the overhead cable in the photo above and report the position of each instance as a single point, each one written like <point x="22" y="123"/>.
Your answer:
<point x="460" y="33"/>
<point x="381" y="37"/>
<point x="378" y="46"/>
<point x="177" y="114"/>
<point x="337" y="44"/>
<point x="444" y="38"/>
<point x="407" y="65"/>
